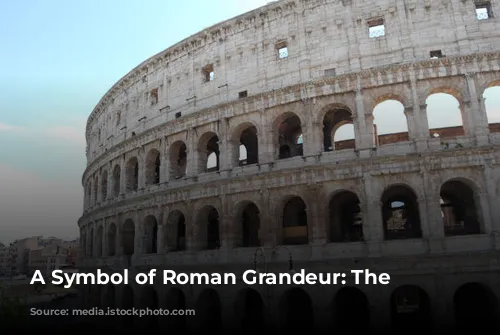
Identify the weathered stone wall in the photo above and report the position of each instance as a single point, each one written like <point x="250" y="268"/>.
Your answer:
<point x="135" y="123"/>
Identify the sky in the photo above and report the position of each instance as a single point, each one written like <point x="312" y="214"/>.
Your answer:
<point x="58" y="59"/>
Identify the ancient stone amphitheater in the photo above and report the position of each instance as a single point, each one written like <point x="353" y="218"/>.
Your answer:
<point x="219" y="154"/>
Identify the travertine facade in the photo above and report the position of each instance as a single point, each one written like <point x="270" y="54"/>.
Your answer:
<point x="279" y="81"/>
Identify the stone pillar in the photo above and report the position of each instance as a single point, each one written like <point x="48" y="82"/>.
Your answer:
<point x="165" y="162"/>
<point x="190" y="227"/>
<point x="110" y="183"/>
<point x="478" y="119"/>
<point x="482" y="204"/>
<point x="413" y="123"/>
<point x="421" y="125"/>
<point x="192" y="154"/>
<point x="104" y="240"/>
<point x="118" y="237"/>
<point x="138" y="240"/>
<point x="315" y="217"/>
<point x="141" y="159"/>
<point x="365" y="139"/>
<point x="123" y="176"/>
<point x="372" y="218"/>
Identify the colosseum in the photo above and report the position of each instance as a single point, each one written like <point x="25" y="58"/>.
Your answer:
<point x="221" y="154"/>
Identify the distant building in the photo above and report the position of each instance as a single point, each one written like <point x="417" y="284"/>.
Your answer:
<point x="47" y="259"/>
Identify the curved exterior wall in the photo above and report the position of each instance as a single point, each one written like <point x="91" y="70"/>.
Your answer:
<point x="333" y="66"/>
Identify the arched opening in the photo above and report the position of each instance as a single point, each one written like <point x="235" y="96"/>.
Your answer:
<point x="99" y="241"/>
<point x="295" y="229"/>
<point x="296" y="312"/>
<point x="208" y="312"/>
<point x="250" y="220"/>
<point x="178" y="160"/>
<point x="128" y="304"/>
<point x="250" y="312"/>
<point x="116" y="180"/>
<point x="346" y="224"/>
<point x="444" y="116"/>
<point x="208" y="227"/>
<point x="153" y="163"/>
<point x="150" y="235"/>
<point x="128" y="237"/>
<point x="132" y="174"/>
<point x="176" y="300"/>
<point x="208" y="152"/>
<point x="290" y="140"/>
<point x="246" y="143"/>
<point x="411" y="309"/>
<point x="338" y="130"/>
<point x="458" y="209"/>
<point x="476" y="308"/>
<point x="492" y="106"/>
<point x="149" y="299"/>
<point x="400" y="213"/>
<point x="352" y="311"/>
<point x="175" y="234"/>
<point x="104" y="185"/>
<point x="110" y="296"/>
<point x="111" y="239"/>
<point x="390" y="124"/>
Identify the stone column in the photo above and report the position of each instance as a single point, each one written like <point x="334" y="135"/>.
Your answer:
<point x="165" y="162"/>
<point x="372" y="218"/>
<point x="478" y="118"/>
<point x="365" y="139"/>
<point x="315" y="217"/>
<point x="141" y="159"/>
<point x="123" y="176"/>
<point x="421" y="125"/>
<point x="138" y="238"/>
<point x="118" y="237"/>
<point x="192" y="153"/>
<point x="104" y="241"/>
<point x="110" y="183"/>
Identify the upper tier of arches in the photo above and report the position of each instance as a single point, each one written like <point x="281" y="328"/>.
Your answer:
<point x="284" y="44"/>
<point x="397" y="119"/>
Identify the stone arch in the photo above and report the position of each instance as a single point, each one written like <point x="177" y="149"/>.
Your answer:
<point x="208" y="152"/>
<point x="345" y="217"/>
<point x="296" y="311"/>
<point x="294" y="221"/>
<point x="460" y="207"/>
<point x="128" y="237"/>
<point x="208" y="312"/>
<point x="176" y="300"/>
<point x="352" y="310"/>
<point x="116" y="180"/>
<point x="208" y="228"/>
<point x="410" y="309"/>
<point x="111" y="239"/>
<point x="289" y="132"/>
<point x="178" y="160"/>
<point x="153" y="165"/>
<point x="132" y="174"/>
<point x="128" y="303"/>
<point x="400" y="212"/>
<point x="175" y="232"/>
<point x="336" y="117"/>
<point x="104" y="185"/>
<point x="150" y="237"/>
<point x="390" y="122"/>
<point x="149" y="299"/>
<point x="248" y="224"/>
<point x="245" y="143"/>
<point x="249" y="312"/>
<point x="445" y="115"/>
<point x="476" y="307"/>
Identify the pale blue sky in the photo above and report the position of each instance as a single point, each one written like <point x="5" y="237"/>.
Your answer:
<point x="58" y="58"/>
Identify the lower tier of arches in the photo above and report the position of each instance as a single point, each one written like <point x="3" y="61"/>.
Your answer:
<point x="447" y="293"/>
